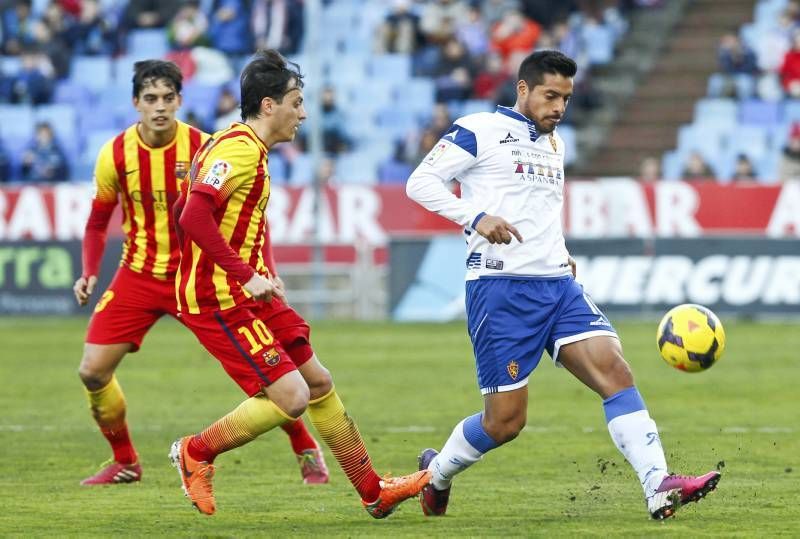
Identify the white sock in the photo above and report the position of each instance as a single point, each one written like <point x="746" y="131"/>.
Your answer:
<point x="456" y="456"/>
<point x="636" y="436"/>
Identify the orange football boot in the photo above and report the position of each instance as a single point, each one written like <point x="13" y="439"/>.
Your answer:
<point x="195" y="476"/>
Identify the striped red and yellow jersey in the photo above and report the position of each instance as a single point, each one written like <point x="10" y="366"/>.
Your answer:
<point x="231" y="167"/>
<point x="147" y="181"/>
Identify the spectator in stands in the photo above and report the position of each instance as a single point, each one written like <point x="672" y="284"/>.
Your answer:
<point x="51" y="35"/>
<point x="94" y="31"/>
<point x="743" y="170"/>
<point x="439" y="20"/>
<point x="395" y="169"/>
<point x="278" y="24"/>
<point x="326" y="172"/>
<point x="696" y="168"/>
<point x="35" y="80"/>
<point x="427" y="141"/>
<point x="738" y="67"/>
<point x="790" y="159"/>
<point x="227" y="110"/>
<point x="650" y="169"/>
<point x="334" y="140"/>
<point x="514" y="33"/>
<point x="149" y="13"/>
<point x="44" y="161"/>
<point x="453" y="72"/>
<point x="490" y="79"/>
<point x="548" y="12"/>
<point x="790" y="70"/>
<point x="493" y="10"/>
<point x="400" y="31"/>
<point x="188" y="28"/>
<point x="5" y="164"/>
<point x="473" y="32"/>
<point x="17" y="26"/>
<point x="735" y="57"/>
<point x="441" y="120"/>
<point x="230" y="27"/>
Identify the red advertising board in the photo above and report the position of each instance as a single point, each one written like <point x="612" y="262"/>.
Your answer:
<point x="604" y="208"/>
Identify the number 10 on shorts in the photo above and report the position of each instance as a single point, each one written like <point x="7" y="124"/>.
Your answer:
<point x="258" y="337"/>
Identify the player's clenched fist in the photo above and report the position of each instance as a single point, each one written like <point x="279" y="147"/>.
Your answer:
<point x="83" y="288"/>
<point x="497" y="230"/>
<point x="259" y="287"/>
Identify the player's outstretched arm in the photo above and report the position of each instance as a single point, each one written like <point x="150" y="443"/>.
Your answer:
<point x="496" y="229"/>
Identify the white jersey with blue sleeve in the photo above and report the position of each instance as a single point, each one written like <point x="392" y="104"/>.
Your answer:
<point x="505" y="169"/>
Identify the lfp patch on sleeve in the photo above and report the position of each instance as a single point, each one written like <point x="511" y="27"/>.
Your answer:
<point x="436" y="152"/>
<point x="217" y="173"/>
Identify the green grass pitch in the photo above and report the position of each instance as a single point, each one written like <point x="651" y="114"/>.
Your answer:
<point x="406" y="386"/>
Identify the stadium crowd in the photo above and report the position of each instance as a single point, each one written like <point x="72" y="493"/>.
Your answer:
<point x="421" y="62"/>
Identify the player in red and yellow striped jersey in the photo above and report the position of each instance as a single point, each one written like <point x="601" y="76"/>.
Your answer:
<point x="144" y="169"/>
<point x="230" y="301"/>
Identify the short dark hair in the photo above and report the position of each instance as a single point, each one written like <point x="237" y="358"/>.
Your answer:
<point x="268" y="74"/>
<point x="534" y="67"/>
<point x="148" y="71"/>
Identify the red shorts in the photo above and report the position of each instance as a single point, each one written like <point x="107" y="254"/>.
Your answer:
<point x="256" y="343"/>
<point x="129" y="308"/>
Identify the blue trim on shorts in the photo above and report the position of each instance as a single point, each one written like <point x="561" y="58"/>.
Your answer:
<point x="512" y="277"/>
<point x="476" y="435"/>
<point x="624" y="402"/>
<point x="241" y="350"/>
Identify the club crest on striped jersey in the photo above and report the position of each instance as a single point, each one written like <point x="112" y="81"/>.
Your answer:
<point x="219" y="170"/>
<point x="513" y="369"/>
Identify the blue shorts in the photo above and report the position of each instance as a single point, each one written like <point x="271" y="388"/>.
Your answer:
<point x="511" y="321"/>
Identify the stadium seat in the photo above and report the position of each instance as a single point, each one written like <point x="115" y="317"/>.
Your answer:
<point x="394" y="122"/>
<point x="10" y="65"/>
<point x="716" y="111"/>
<point x="601" y="38"/>
<point x="95" y="141"/>
<point x="301" y="170"/>
<point x="791" y="110"/>
<point x="148" y="43"/>
<point x="567" y="132"/>
<point x="417" y="94"/>
<point x="357" y="167"/>
<point x="70" y="92"/>
<point x="201" y="99"/>
<point x="471" y="106"/>
<point x="672" y="165"/>
<point x="391" y="67"/>
<point x="17" y="121"/>
<point x="92" y="72"/>
<point x="753" y="142"/>
<point x="706" y="139"/>
<point x="757" y="112"/>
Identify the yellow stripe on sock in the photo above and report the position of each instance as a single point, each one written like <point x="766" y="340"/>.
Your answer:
<point x="107" y="404"/>
<point x="252" y="418"/>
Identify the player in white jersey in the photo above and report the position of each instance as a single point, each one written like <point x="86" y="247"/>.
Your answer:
<point x="521" y="294"/>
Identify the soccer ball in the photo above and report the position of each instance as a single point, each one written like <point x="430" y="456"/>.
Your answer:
<point x="691" y="338"/>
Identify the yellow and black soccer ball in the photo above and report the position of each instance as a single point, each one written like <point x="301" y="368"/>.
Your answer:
<point x="691" y="338"/>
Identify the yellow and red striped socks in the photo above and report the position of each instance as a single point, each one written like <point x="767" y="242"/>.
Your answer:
<point x="108" y="408"/>
<point x="252" y="418"/>
<point x="341" y="434"/>
<point x="299" y="436"/>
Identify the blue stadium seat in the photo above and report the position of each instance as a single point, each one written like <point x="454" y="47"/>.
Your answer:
<point x="757" y="112"/>
<point x="567" y="132"/>
<point x="301" y="170"/>
<point x="201" y="99"/>
<point x="148" y="43"/>
<point x="753" y="142"/>
<point x="715" y="111"/>
<point x="123" y="68"/>
<point x="471" y="106"/>
<point x="10" y="65"/>
<point x="601" y="38"/>
<point x="92" y="72"/>
<point x="791" y="110"/>
<point x="706" y="139"/>
<point x="394" y="122"/>
<point x="417" y="94"/>
<point x="17" y="121"/>
<point x="357" y="167"/>
<point x="391" y="67"/>
<point x="672" y="165"/>
<point x="70" y="92"/>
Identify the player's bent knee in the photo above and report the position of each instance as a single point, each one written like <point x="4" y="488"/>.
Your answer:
<point x="93" y="376"/>
<point x="504" y="430"/>
<point x="289" y="393"/>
